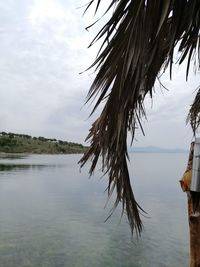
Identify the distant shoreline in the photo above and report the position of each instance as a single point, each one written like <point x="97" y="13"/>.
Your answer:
<point x="157" y="152"/>
<point x="14" y="143"/>
<point x="152" y="149"/>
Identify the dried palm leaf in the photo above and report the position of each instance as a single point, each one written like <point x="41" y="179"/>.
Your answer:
<point x="138" y="42"/>
<point x="194" y="113"/>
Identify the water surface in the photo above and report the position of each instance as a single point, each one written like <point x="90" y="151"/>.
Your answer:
<point x="51" y="215"/>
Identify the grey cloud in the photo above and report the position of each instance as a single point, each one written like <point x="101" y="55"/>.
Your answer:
<point x="40" y="84"/>
<point x="42" y="92"/>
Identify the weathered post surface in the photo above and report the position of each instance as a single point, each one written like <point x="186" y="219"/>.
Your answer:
<point x="193" y="217"/>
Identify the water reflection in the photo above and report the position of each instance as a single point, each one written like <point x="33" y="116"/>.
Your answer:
<point x="13" y="156"/>
<point x="15" y="167"/>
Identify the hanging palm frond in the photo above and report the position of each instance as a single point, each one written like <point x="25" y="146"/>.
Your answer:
<point x="194" y="113"/>
<point x="138" y="41"/>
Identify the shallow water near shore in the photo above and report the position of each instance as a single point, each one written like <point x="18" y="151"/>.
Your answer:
<point x="52" y="215"/>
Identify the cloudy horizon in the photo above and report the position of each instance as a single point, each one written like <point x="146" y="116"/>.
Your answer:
<point x="43" y="49"/>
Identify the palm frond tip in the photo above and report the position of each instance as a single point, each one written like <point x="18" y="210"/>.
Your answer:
<point x="194" y="113"/>
<point x="142" y="36"/>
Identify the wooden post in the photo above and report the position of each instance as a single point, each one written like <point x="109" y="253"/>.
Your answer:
<point x="194" y="225"/>
<point x="193" y="218"/>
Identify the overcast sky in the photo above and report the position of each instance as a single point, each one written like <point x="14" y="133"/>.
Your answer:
<point x="43" y="49"/>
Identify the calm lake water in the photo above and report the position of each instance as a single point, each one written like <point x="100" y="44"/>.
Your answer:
<point x="51" y="215"/>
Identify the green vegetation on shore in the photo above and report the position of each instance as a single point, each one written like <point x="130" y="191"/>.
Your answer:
<point x="23" y="143"/>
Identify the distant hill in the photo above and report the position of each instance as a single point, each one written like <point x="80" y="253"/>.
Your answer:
<point x="23" y="143"/>
<point x="154" y="149"/>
